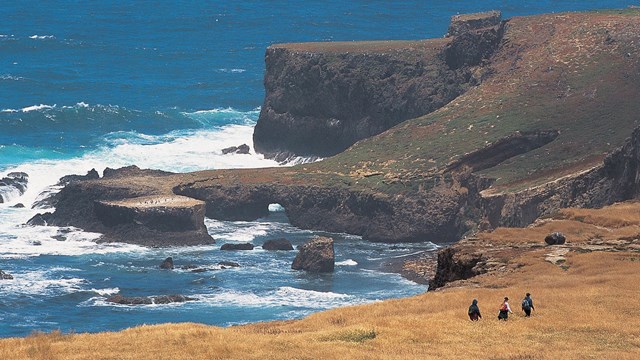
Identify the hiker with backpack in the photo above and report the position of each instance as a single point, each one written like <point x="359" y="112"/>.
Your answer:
<point x="474" y="311"/>
<point x="505" y="309"/>
<point x="527" y="305"/>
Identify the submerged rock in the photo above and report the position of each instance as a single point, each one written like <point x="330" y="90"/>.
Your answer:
<point x="316" y="255"/>
<point x="148" y="300"/>
<point x="243" y="246"/>
<point x="18" y="206"/>
<point x="242" y="149"/>
<point x="226" y="264"/>
<point x="5" y="276"/>
<point x="277" y="244"/>
<point x="167" y="263"/>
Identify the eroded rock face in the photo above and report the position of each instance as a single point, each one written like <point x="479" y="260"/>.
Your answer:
<point x="277" y="244"/>
<point x="318" y="102"/>
<point x="453" y="265"/>
<point x="465" y="23"/>
<point x="316" y="255"/>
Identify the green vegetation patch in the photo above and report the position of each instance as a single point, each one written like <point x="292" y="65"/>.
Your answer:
<point x="354" y="335"/>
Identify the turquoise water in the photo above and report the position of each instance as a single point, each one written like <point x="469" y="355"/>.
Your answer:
<point x="167" y="85"/>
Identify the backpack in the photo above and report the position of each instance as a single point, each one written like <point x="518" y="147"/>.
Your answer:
<point x="503" y="307"/>
<point x="525" y="304"/>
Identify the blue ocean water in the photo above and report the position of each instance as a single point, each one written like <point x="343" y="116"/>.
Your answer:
<point x="168" y="84"/>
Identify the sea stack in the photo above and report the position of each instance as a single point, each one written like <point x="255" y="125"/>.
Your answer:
<point x="317" y="255"/>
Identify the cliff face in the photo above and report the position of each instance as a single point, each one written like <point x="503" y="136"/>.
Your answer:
<point x="323" y="97"/>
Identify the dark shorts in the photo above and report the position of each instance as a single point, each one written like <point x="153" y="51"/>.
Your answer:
<point x="473" y="317"/>
<point x="503" y="315"/>
<point x="527" y="312"/>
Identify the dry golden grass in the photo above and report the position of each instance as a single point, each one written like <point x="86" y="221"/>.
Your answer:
<point x="587" y="309"/>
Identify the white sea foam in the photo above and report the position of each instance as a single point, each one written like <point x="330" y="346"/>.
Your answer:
<point x="247" y="231"/>
<point x="41" y="282"/>
<point x="106" y="292"/>
<point x="276" y="208"/>
<point x="30" y="108"/>
<point x="180" y="151"/>
<point x="11" y="77"/>
<point x="231" y="71"/>
<point x="348" y="262"/>
<point x="282" y="296"/>
<point x="41" y="37"/>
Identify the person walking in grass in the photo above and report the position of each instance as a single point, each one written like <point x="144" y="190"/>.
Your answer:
<point x="474" y="311"/>
<point x="527" y="305"/>
<point x="505" y="309"/>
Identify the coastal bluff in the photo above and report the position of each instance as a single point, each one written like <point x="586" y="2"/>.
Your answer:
<point x="552" y="124"/>
<point x="323" y="97"/>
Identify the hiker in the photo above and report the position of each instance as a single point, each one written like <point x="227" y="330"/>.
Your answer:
<point x="474" y="311"/>
<point x="527" y="305"/>
<point x="505" y="309"/>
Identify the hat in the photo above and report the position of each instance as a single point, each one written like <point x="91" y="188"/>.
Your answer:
<point x="506" y="298"/>
<point x="528" y="294"/>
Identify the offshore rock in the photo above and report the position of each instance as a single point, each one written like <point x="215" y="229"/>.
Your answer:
<point x="242" y="149"/>
<point x="167" y="263"/>
<point x="277" y="244"/>
<point x="154" y="220"/>
<point x="243" y="246"/>
<point x="148" y="300"/>
<point x="316" y="256"/>
<point x="5" y="276"/>
<point x="228" y="264"/>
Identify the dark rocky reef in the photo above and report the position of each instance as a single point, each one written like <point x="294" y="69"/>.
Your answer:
<point x="323" y="97"/>
<point x="277" y="244"/>
<point x="13" y="184"/>
<point x="240" y="149"/>
<point x="316" y="255"/>
<point x="167" y="263"/>
<point x="241" y="246"/>
<point x="5" y="276"/>
<point x="148" y="300"/>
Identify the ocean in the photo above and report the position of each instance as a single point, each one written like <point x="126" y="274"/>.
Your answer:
<point x="168" y="85"/>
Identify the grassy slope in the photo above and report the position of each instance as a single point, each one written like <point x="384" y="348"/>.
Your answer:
<point x="582" y="312"/>
<point x="576" y="73"/>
